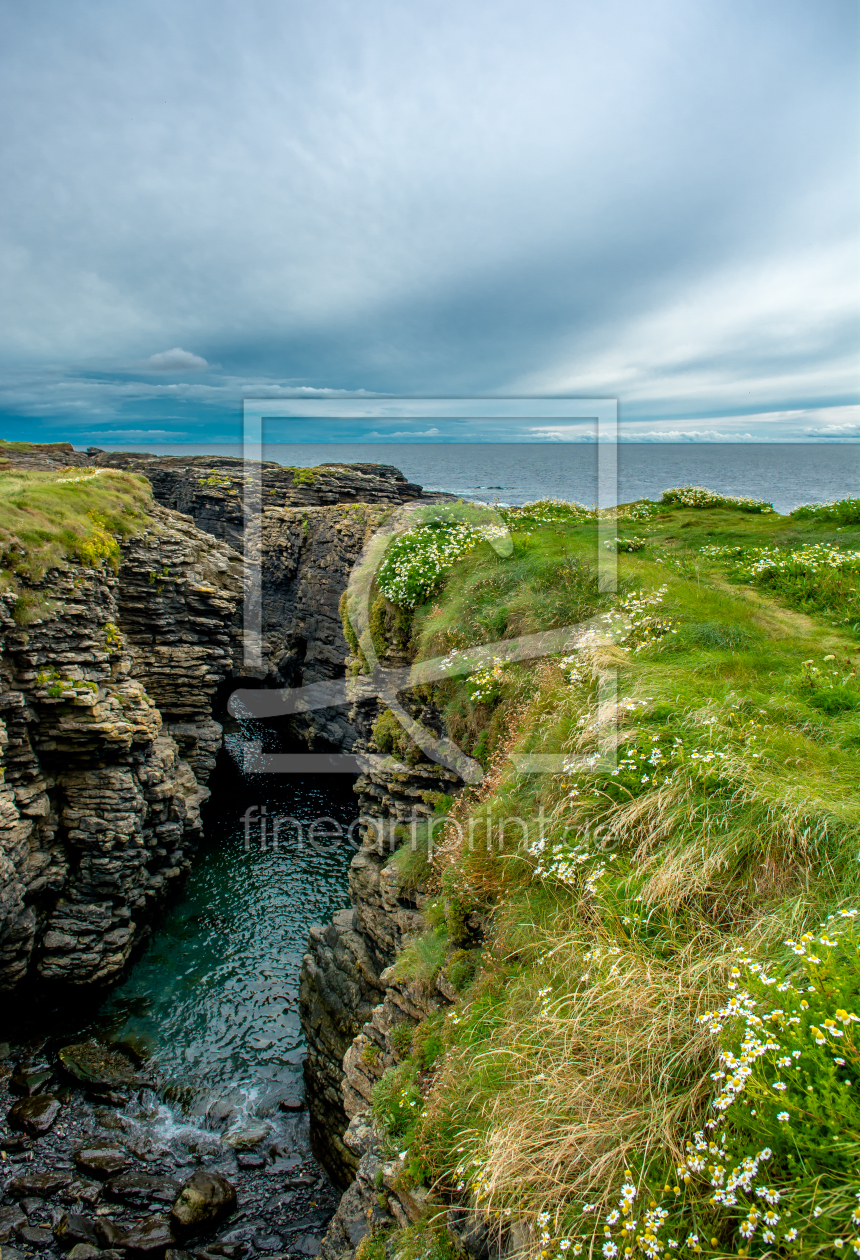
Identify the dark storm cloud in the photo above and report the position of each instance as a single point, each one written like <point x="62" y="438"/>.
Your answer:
<point x="655" y="202"/>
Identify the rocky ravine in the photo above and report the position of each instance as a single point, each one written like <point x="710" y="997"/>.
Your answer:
<point x="106" y="743"/>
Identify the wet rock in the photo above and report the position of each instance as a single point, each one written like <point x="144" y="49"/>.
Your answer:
<point x="306" y="1245"/>
<point x="221" y="1109"/>
<point x="11" y="1220"/>
<point x="140" y="1190"/>
<point x="27" y="1082"/>
<point x="268" y="1242"/>
<point x="102" y="1161"/>
<point x="12" y="1253"/>
<point x="38" y="1236"/>
<point x="80" y="1190"/>
<point x="149" y="1237"/>
<point x="83" y="1251"/>
<point x="292" y="1104"/>
<point x="109" y="1234"/>
<point x="102" y="1066"/>
<point x="74" y="1228"/>
<point x="34" y="1115"/>
<point x="251" y="1161"/>
<point x="249" y="1134"/>
<point x="32" y="1205"/>
<point x="16" y="1145"/>
<point x="174" y="1253"/>
<point x="41" y="1184"/>
<point x="110" y="1096"/>
<point x="204" y="1198"/>
<point x="107" y="1119"/>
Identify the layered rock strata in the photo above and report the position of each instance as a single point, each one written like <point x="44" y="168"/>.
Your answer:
<point x="211" y="489"/>
<point x="106" y="743"/>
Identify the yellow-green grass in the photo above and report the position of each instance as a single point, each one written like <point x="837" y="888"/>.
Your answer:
<point x="48" y="517"/>
<point x="563" y="1072"/>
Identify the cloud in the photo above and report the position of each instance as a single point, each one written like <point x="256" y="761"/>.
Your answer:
<point x="396" y="210"/>
<point x="176" y="360"/>
<point x="836" y="430"/>
<point x="140" y="435"/>
<point x="405" y="433"/>
<point x="693" y="435"/>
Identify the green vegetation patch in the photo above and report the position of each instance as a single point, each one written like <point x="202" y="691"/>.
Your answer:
<point x="655" y="944"/>
<point x="47" y="518"/>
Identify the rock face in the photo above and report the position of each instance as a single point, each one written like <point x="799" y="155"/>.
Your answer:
<point x="106" y="742"/>
<point x="210" y="489"/>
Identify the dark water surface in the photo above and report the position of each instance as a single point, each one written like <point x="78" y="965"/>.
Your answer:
<point x="212" y="1002"/>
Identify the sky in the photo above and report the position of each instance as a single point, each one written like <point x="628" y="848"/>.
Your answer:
<point x="209" y="202"/>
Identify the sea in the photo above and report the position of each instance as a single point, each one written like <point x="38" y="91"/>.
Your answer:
<point x="784" y="474"/>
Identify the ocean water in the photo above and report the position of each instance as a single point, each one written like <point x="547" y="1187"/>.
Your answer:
<point x="785" y="474"/>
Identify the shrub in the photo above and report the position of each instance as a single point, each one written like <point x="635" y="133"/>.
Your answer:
<point x="843" y="511"/>
<point x="415" y="564"/>
<point x="389" y="736"/>
<point x="396" y="1100"/>
<point x="699" y="497"/>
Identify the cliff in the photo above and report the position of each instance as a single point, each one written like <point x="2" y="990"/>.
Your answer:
<point x="614" y="1014"/>
<point x="106" y="743"/>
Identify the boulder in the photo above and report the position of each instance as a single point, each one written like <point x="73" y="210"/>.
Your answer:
<point x="109" y="1234"/>
<point x="102" y="1161"/>
<point x="205" y="1198"/>
<point x="93" y="1064"/>
<point x="11" y="1220"/>
<point x="29" y="1081"/>
<point x="244" y="1136"/>
<point x="34" y="1115"/>
<point x="81" y="1190"/>
<point x="41" y="1184"/>
<point x="73" y="1228"/>
<point x="37" y="1236"/>
<point x="139" y="1189"/>
<point x="149" y="1237"/>
<point x="83" y="1251"/>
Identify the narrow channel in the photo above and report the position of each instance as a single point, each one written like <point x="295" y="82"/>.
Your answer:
<point x="209" y="1009"/>
<point x="211" y="1004"/>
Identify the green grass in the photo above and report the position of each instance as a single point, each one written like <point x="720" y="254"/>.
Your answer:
<point x="575" y="1062"/>
<point x="47" y="518"/>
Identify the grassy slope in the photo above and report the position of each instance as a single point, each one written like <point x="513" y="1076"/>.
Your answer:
<point x="576" y="1062"/>
<point x="47" y="518"/>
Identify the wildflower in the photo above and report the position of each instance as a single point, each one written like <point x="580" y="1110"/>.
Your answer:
<point x="783" y="1117"/>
